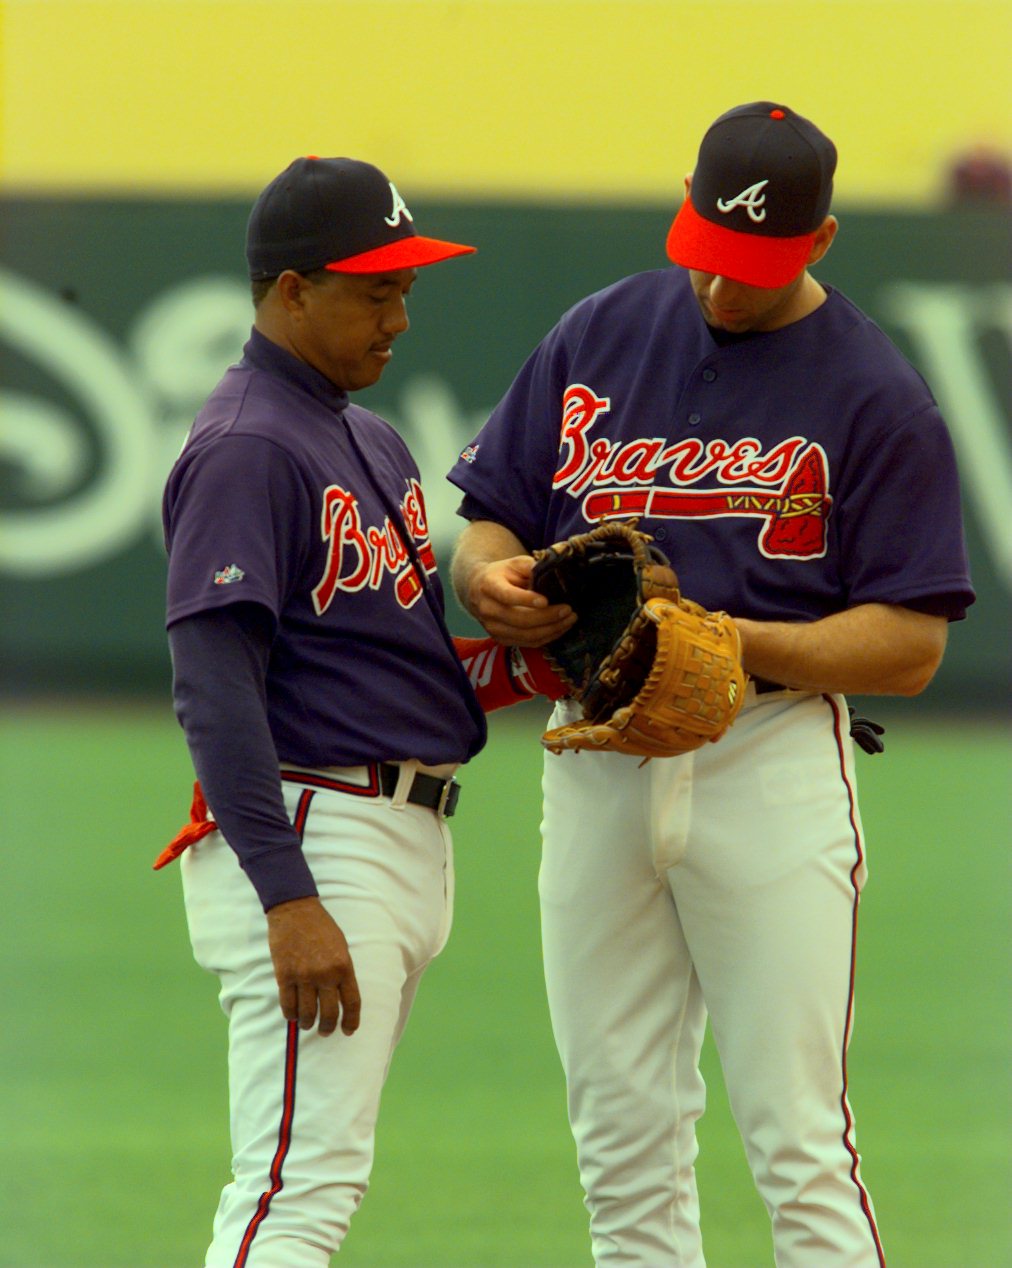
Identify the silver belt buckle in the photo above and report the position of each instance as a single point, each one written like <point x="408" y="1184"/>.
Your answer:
<point x="448" y="798"/>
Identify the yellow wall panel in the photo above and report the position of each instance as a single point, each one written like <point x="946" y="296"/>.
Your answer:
<point x="557" y="99"/>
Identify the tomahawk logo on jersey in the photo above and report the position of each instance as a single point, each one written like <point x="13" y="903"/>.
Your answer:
<point x="785" y="486"/>
<point x="754" y="460"/>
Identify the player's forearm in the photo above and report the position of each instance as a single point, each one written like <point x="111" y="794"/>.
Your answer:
<point x="873" y="649"/>
<point x="503" y="676"/>
<point x="481" y="543"/>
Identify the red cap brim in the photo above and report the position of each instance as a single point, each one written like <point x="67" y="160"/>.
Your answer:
<point x="406" y="253"/>
<point x="696" y="243"/>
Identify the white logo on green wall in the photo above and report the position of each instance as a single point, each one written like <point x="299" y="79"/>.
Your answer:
<point x="89" y="480"/>
<point x="134" y="404"/>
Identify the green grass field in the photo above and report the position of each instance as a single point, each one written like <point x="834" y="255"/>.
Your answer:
<point x="114" y="1120"/>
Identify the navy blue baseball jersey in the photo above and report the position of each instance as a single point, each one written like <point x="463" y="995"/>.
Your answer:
<point x="287" y="496"/>
<point x="787" y="475"/>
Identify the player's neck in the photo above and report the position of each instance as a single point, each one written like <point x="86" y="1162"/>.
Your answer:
<point x="810" y="296"/>
<point x="799" y="302"/>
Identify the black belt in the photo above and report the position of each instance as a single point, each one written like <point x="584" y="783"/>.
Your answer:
<point x="437" y="794"/>
<point x="762" y="685"/>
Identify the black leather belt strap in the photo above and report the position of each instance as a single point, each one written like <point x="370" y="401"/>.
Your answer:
<point x="440" y="795"/>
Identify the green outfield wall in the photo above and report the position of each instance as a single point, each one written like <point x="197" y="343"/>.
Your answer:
<point x="117" y="316"/>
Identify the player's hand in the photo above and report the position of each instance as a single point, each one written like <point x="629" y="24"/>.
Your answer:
<point x="502" y="600"/>
<point x="313" y="967"/>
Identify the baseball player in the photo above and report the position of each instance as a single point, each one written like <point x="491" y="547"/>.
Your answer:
<point x="325" y="706"/>
<point x="797" y="473"/>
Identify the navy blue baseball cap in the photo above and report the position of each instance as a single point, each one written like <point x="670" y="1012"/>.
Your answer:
<point x="762" y="186"/>
<point x="339" y="214"/>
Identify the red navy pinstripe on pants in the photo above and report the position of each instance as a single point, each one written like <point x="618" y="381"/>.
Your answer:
<point x="848" y="1132"/>
<point x="284" y="1143"/>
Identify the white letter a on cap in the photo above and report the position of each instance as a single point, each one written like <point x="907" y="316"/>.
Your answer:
<point x="400" y="208"/>
<point x="751" y="199"/>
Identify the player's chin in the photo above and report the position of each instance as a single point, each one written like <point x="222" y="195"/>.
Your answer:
<point x="376" y="362"/>
<point x="735" y="323"/>
<point x="365" y="375"/>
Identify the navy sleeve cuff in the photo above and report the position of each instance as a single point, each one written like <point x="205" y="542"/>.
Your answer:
<point x="279" y="874"/>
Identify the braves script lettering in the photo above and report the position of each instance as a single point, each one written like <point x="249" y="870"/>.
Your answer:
<point x="585" y="462"/>
<point x="787" y="486"/>
<point x="360" y="557"/>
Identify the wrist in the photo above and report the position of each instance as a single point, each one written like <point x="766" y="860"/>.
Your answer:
<point x="473" y="588"/>
<point x="289" y="905"/>
<point x="533" y="674"/>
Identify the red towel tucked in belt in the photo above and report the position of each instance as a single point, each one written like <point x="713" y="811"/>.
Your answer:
<point x="199" y="826"/>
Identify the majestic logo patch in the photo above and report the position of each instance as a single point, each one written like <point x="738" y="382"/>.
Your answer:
<point x="400" y="209"/>
<point x="226" y="576"/>
<point x="752" y="199"/>
<point x="470" y="454"/>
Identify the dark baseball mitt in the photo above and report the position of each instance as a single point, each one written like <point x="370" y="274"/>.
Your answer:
<point x="605" y="575"/>
<point x="656" y="675"/>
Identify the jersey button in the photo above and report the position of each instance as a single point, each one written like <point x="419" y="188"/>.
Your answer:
<point x="695" y="420"/>
<point x="709" y="375"/>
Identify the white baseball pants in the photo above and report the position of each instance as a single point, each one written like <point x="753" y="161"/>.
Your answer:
<point x="304" y="1107"/>
<point x="720" y="884"/>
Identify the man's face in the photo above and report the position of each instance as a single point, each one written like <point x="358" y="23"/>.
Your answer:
<point x="739" y="309"/>
<point x="347" y="323"/>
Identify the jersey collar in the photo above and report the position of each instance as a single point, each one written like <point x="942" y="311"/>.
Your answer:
<point x="263" y="354"/>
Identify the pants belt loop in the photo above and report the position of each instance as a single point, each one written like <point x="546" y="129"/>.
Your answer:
<point x="404" y="781"/>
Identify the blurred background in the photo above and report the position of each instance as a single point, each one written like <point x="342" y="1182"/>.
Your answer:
<point x="555" y="137"/>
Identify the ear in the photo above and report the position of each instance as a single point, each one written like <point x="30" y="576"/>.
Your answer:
<point x="824" y="236"/>
<point x="291" y="289"/>
<point x="688" y="183"/>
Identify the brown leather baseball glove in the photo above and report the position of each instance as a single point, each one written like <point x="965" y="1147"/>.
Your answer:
<point x="656" y="675"/>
